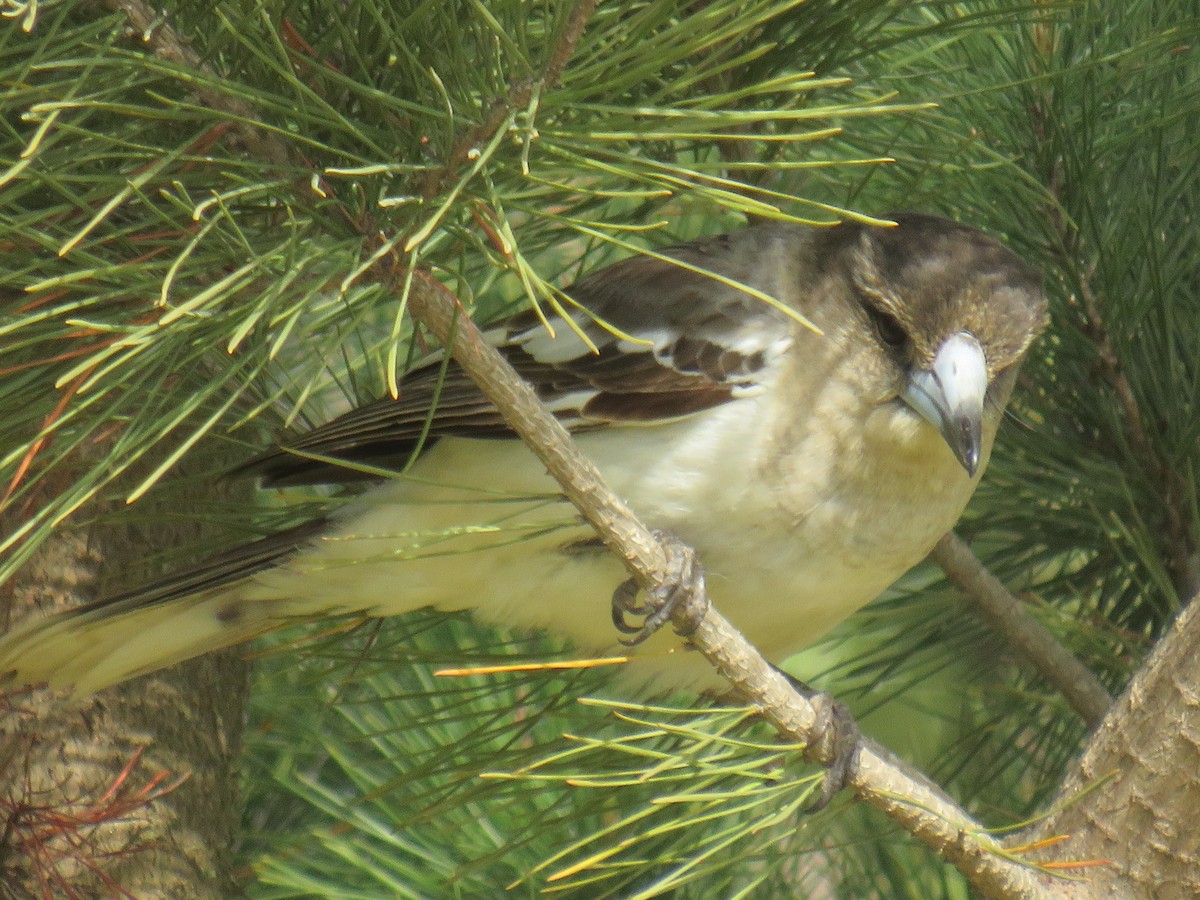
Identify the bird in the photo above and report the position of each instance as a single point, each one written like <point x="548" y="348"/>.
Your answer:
<point x="809" y="407"/>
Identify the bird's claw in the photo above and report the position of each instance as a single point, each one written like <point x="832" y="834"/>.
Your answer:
<point x="683" y="587"/>
<point x="837" y="741"/>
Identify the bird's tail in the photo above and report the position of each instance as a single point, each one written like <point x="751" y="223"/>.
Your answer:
<point x="119" y="637"/>
<point x="88" y="650"/>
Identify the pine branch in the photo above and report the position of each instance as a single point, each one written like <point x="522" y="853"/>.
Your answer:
<point x="518" y="98"/>
<point x="1183" y="554"/>
<point x="879" y="778"/>
<point x="1028" y="637"/>
<point x="910" y="799"/>
<point x="576" y="158"/>
<point x="1182" y="550"/>
<point x="158" y="34"/>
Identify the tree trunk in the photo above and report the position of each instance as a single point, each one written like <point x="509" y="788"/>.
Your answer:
<point x="1142" y="766"/>
<point x="133" y="789"/>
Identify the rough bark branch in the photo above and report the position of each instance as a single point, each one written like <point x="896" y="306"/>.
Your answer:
<point x="1141" y="775"/>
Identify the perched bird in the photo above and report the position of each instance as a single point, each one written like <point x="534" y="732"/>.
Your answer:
<point x="809" y="469"/>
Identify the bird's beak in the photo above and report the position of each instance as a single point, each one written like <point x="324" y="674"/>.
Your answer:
<point x="950" y="394"/>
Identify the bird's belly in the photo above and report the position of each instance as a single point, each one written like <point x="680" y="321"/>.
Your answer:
<point x="503" y="543"/>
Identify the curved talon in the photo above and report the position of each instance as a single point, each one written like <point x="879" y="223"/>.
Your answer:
<point x="684" y="585"/>
<point x="618" y="619"/>
<point x="638" y="636"/>
<point x="623" y="604"/>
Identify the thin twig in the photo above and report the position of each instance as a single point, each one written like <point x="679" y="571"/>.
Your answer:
<point x="1181" y="543"/>
<point x="157" y="34"/>
<point x="1005" y="614"/>
<point x="519" y="95"/>
<point x="1183" y="555"/>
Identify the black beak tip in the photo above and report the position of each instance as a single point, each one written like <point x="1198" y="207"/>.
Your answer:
<point x="965" y="441"/>
<point x="970" y="462"/>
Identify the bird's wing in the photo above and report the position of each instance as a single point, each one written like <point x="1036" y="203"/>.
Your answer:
<point x="215" y="572"/>
<point x="666" y="341"/>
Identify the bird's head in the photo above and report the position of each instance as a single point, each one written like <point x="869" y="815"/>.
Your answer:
<point x="950" y="312"/>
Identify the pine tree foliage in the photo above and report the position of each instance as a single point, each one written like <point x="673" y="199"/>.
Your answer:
<point x="1075" y="136"/>
<point x="195" y="208"/>
<point x="241" y="221"/>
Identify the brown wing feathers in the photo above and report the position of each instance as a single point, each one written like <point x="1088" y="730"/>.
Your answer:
<point x="709" y="343"/>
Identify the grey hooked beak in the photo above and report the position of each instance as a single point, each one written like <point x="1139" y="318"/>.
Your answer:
<point x="950" y="395"/>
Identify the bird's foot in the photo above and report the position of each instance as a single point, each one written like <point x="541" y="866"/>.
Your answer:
<point x="683" y="588"/>
<point x="837" y="741"/>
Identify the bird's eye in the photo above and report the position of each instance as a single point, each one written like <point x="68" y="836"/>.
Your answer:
<point x="889" y="331"/>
